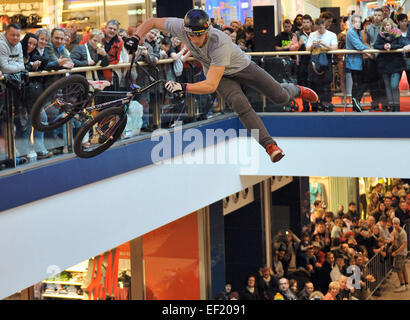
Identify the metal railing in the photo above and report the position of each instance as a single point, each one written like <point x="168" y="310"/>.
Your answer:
<point x="192" y="110"/>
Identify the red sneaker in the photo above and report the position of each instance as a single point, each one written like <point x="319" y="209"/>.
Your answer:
<point x="274" y="152"/>
<point x="308" y="94"/>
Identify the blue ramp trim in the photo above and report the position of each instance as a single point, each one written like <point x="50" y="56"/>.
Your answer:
<point x="338" y="125"/>
<point x="39" y="183"/>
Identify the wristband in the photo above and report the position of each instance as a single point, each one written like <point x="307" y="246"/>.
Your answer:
<point x="184" y="87"/>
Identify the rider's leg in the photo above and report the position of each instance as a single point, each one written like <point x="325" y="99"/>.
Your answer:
<point x="279" y="93"/>
<point x="233" y="95"/>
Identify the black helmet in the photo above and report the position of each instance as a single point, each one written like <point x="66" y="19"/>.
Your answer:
<point x="196" y="22"/>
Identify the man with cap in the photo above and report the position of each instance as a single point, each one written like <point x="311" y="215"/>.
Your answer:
<point x="226" y="67"/>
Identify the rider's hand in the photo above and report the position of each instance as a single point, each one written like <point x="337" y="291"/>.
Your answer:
<point x="175" y="87"/>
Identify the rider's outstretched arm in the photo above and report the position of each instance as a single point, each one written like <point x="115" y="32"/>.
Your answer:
<point x="209" y="85"/>
<point x="147" y="25"/>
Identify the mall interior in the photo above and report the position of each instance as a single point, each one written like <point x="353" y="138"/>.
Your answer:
<point x="124" y="226"/>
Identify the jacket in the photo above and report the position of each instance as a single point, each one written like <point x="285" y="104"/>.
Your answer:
<point x="80" y="58"/>
<point x="390" y="63"/>
<point x="371" y="34"/>
<point x="406" y="42"/>
<point x="354" y="41"/>
<point x="113" y="49"/>
<point x="11" y="57"/>
<point x="54" y="54"/>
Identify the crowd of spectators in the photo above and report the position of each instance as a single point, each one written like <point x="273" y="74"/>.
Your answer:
<point x="65" y="47"/>
<point x="322" y="262"/>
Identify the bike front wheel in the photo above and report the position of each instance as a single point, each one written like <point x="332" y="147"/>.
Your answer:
<point x="59" y="103"/>
<point x="100" y="132"/>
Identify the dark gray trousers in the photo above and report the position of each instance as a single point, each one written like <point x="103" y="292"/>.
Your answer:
<point x="254" y="76"/>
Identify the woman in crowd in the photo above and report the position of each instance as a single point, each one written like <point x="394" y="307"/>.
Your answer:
<point x="372" y="207"/>
<point x="334" y="288"/>
<point x="90" y="54"/>
<point x="390" y="65"/>
<point x="33" y="62"/>
<point x="354" y="62"/>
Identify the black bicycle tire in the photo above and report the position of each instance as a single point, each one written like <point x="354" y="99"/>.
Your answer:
<point x="78" y="140"/>
<point x="39" y="103"/>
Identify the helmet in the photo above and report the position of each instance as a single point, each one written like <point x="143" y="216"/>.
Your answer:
<point x="196" y="22"/>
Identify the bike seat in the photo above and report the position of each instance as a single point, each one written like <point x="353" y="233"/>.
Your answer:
<point x="99" y="85"/>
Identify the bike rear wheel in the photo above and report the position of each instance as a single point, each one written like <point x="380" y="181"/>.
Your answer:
<point x="59" y="103"/>
<point x="100" y="132"/>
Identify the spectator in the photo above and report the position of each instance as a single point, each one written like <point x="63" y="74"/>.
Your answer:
<point x="352" y="211"/>
<point x="297" y="23"/>
<point x="299" y="41"/>
<point x="278" y="270"/>
<point x="113" y="45"/>
<point x="248" y="22"/>
<point x="59" y="55"/>
<point x="240" y="32"/>
<point x="337" y="230"/>
<point x="12" y="62"/>
<point x="214" y="24"/>
<point x="363" y="238"/>
<point x="372" y="208"/>
<point x="402" y="20"/>
<point x="267" y="283"/>
<point x="250" y="292"/>
<point x="316" y="295"/>
<point x="292" y="244"/>
<point x="305" y="293"/>
<point x="319" y="254"/>
<point x="323" y="274"/>
<point x="344" y="292"/>
<point x="354" y="62"/>
<point x="386" y="12"/>
<point x="384" y="231"/>
<point x="308" y="261"/>
<point x="334" y="288"/>
<point x="323" y="235"/>
<point x="399" y="254"/>
<point x="327" y="18"/>
<point x="378" y="190"/>
<point x="75" y="37"/>
<point x="339" y="268"/>
<point x="381" y="211"/>
<point x="390" y="65"/>
<point x="282" y="40"/>
<point x="150" y="54"/>
<point x="224" y="294"/>
<point x="317" y="215"/>
<point x="376" y="83"/>
<point x="284" y="289"/>
<point x="293" y="287"/>
<point x="329" y="223"/>
<point x="250" y="38"/>
<point x="11" y="53"/>
<point x="41" y="51"/>
<point x="340" y="211"/>
<point x="90" y="54"/>
<point x="32" y="91"/>
<point x="322" y="40"/>
<point x="231" y="33"/>
<point x="402" y="213"/>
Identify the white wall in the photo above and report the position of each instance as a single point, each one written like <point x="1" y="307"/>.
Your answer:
<point x="73" y="226"/>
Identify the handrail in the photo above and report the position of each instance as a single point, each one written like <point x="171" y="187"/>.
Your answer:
<point x="166" y="61"/>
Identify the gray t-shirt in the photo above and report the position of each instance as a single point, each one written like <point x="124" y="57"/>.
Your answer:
<point x="219" y="50"/>
<point x="399" y="240"/>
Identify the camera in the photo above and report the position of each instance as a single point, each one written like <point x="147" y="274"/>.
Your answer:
<point x="131" y="44"/>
